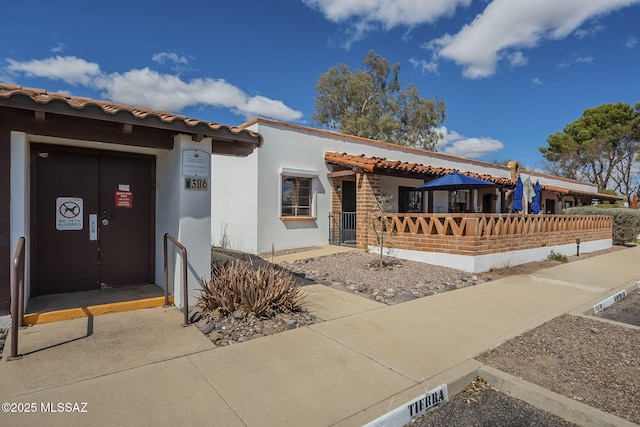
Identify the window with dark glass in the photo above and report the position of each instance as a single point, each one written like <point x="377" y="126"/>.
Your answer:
<point x="296" y="196"/>
<point x="409" y="200"/>
<point x="458" y="200"/>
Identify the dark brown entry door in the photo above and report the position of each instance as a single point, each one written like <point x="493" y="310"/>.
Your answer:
<point x="94" y="221"/>
<point x="125" y="221"/>
<point x="348" y="196"/>
<point x="348" y="215"/>
<point x="67" y="188"/>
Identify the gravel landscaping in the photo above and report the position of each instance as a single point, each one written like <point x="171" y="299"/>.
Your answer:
<point x="583" y="358"/>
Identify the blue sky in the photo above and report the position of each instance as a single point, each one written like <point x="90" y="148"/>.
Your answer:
<point x="511" y="72"/>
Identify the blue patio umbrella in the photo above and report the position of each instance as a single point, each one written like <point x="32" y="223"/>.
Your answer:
<point x="455" y="181"/>
<point x="517" y="196"/>
<point x="535" y="202"/>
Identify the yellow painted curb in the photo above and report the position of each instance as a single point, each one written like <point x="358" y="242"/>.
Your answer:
<point x="93" y="310"/>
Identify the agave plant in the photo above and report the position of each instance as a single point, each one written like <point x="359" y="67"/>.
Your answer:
<point x="261" y="292"/>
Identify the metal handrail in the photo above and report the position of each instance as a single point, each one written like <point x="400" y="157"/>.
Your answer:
<point x="185" y="288"/>
<point x="17" y="298"/>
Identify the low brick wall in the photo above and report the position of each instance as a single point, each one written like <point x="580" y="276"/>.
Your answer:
<point x="477" y="234"/>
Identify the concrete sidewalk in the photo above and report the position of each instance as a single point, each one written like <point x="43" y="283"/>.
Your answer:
<point x="314" y="253"/>
<point x="362" y="362"/>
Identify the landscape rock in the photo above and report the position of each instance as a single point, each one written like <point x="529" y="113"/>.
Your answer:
<point x="215" y="336"/>
<point x="207" y="328"/>
<point x="194" y="315"/>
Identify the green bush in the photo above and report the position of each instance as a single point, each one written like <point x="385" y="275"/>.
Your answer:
<point x="555" y="256"/>
<point x="626" y="222"/>
<point x="261" y="292"/>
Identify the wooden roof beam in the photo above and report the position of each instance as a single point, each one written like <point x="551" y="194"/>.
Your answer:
<point x="126" y="128"/>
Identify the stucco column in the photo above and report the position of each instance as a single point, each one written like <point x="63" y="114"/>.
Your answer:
<point x="186" y="215"/>
<point x="367" y="191"/>
<point x="5" y="220"/>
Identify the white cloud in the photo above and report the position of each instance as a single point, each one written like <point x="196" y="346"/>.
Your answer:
<point x="462" y="146"/>
<point x="506" y="25"/>
<point x="588" y="32"/>
<point x="575" y="59"/>
<point x="69" y="69"/>
<point x="423" y="65"/>
<point x="631" y="42"/>
<point x="389" y="13"/>
<point x="162" y="57"/>
<point x="59" y="48"/>
<point x="517" y="59"/>
<point x="364" y="16"/>
<point x="584" y="59"/>
<point x="537" y="81"/>
<point x="148" y="88"/>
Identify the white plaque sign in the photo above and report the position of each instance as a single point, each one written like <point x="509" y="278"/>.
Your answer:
<point x="195" y="163"/>
<point x="69" y="213"/>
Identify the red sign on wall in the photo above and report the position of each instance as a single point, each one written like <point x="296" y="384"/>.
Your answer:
<point x="124" y="199"/>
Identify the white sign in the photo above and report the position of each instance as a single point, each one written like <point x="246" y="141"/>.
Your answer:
<point x="69" y="213"/>
<point x="195" y="163"/>
<point x="609" y="301"/>
<point x="410" y="410"/>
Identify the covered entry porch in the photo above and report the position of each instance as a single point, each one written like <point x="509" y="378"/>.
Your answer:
<point x="49" y="143"/>
<point x="473" y="233"/>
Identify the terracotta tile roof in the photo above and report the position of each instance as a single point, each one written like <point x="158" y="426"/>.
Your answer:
<point x="571" y="192"/>
<point x="384" y="166"/>
<point x="179" y="123"/>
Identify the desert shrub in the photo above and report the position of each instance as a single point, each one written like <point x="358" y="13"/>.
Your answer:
<point x="555" y="256"/>
<point x="382" y="226"/>
<point x="626" y="222"/>
<point x="261" y="292"/>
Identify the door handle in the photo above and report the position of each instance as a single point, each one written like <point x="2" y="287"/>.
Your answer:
<point x="93" y="226"/>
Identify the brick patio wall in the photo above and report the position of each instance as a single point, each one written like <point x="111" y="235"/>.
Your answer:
<point x="473" y="235"/>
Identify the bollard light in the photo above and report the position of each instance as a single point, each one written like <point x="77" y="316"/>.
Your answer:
<point x="578" y="246"/>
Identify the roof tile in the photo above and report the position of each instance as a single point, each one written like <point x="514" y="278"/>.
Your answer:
<point x="382" y="165"/>
<point x="41" y="96"/>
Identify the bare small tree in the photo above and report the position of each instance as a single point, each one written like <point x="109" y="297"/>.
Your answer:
<point x="381" y="224"/>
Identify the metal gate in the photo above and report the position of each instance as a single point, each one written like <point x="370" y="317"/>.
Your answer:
<point x="342" y="228"/>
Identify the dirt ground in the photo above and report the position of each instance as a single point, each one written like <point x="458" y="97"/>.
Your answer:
<point x="482" y="405"/>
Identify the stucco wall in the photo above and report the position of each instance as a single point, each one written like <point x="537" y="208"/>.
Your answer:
<point x="234" y="202"/>
<point x="559" y="182"/>
<point x="289" y="153"/>
<point x="299" y="148"/>
<point x="389" y="187"/>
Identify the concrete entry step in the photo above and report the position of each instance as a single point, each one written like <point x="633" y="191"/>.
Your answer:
<point x="57" y="307"/>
